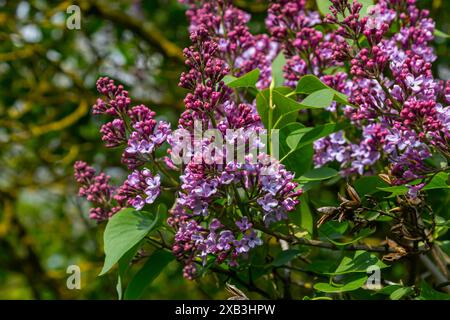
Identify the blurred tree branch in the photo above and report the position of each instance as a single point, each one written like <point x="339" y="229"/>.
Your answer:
<point x="143" y="29"/>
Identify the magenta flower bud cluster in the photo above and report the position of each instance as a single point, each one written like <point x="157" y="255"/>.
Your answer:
<point x="97" y="190"/>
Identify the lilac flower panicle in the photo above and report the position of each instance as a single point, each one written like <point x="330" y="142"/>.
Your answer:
<point x="97" y="190"/>
<point x="134" y="129"/>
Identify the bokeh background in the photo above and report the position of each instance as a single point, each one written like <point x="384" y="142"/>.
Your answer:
<point x="47" y="85"/>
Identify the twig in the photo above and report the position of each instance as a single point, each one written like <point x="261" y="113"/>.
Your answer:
<point x="230" y="273"/>
<point x="328" y="245"/>
<point x="440" y="278"/>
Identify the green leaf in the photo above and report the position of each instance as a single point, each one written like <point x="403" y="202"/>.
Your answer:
<point x="151" y="269"/>
<point x="262" y="106"/>
<point x="437" y="160"/>
<point x="123" y="231"/>
<point x="298" y="160"/>
<point x="277" y="69"/>
<point x="350" y="283"/>
<point x="124" y="264"/>
<point x="292" y="133"/>
<point x="248" y="80"/>
<point x="333" y="229"/>
<point x="439" y="181"/>
<point x="285" y="256"/>
<point x="369" y="185"/>
<point x="322" y="173"/>
<point x="441" y="34"/>
<point x="319" y="99"/>
<point x="401" y="292"/>
<point x="310" y="84"/>
<point x="388" y="290"/>
<point x="395" y="191"/>
<point x="359" y="263"/>
<point x="306" y="217"/>
<point x="428" y="293"/>
<point x="308" y="185"/>
<point x="321" y="266"/>
<point x="285" y="108"/>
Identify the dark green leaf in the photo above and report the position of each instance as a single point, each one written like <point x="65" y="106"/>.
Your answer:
<point x="123" y="231"/>
<point x="307" y="220"/>
<point x="300" y="160"/>
<point x="322" y="173"/>
<point x="285" y="256"/>
<point x="319" y="99"/>
<point x="333" y="230"/>
<point x="350" y="283"/>
<point x="277" y="69"/>
<point x="441" y="34"/>
<point x="437" y="160"/>
<point x="248" y="80"/>
<point x="151" y="269"/>
<point x="401" y="293"/>
<point x="361" y="235"/>
<point x="124" y="264"/>
<point x="369" y="185"/>
<point x="428" y="293"/>
<point x="321" y="266"/>
<point x="388" y="290"/>
<point x="359" y="263"/>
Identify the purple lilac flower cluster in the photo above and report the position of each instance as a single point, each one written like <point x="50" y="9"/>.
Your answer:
<point x="141" y="187"/>
<point x="227" y="27"/>
<point x="220" y="201"/>
<point x="214" y="240"/>
<point x="136" y="130"/>
<point x="310" y="51"/>
<point x="307" y="50"/>
<point x="131" y="126"/>
<point x="405" y="106"/>
<point x="401" y="110"/>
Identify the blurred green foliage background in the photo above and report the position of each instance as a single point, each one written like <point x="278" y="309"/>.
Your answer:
<point x="47" y="85"/>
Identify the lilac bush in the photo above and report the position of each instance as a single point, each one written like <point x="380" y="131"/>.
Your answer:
<point x="367" y="73"/>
